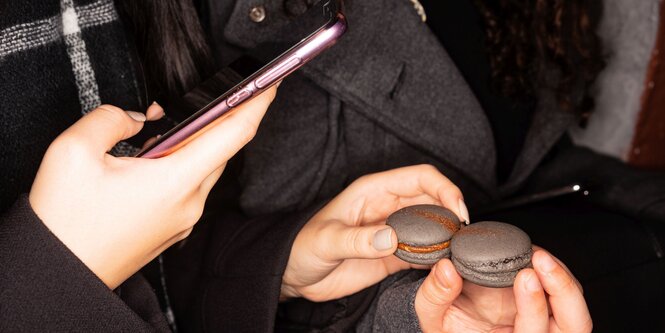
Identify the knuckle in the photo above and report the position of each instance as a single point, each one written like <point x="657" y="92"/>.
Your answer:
<point x="115" y="116"/>
<point x="67" y="146"/>
<point x="451" y="190"/>
<point x="183" y="235"/>
<point x="568" y="281"/>
<point x="112" y="113"/>
<point x="316" y="295"/>
<point x="191" y="215"/>
<point x="340" y="242"/>
<point x="437" y="286"/>
<point x="321" y="234"/>
<point x="427" y="168"/>
<point x="249" y="129"/>
<point x="325" y="247"/>
<point x="435" y="293"/>
<point x="354" y="241"/>
<point x="363" y="179"/>
<point x="566" y="284"/>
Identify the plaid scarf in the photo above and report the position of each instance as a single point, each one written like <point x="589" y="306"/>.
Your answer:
<point x="58" y="60"/>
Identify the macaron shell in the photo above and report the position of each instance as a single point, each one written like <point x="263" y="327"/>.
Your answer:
<point x="484" y="242"/>
<point x="492" y="280"/>
<point x="423" y="225"/>
<point x="500" y="264"/>
<point x="491" y="253"/>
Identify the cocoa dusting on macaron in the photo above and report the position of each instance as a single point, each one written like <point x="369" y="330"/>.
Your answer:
<point x="423" y="233"/>
<point x="491" y="254"/>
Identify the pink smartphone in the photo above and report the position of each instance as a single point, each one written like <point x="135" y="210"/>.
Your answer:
<point x="286" y="63"/>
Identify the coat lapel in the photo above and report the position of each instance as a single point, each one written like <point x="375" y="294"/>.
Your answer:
<point x="390" y="68"/>
<point x="548" y="125"/>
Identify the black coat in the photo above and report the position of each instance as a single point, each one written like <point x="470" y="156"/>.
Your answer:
<point x="51" y="72"/>
<point x="43" y="73"/>
<point x="388" y="95"/>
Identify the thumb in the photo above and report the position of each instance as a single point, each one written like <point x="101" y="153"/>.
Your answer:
<point x="439" y="290"/>
<point x="104" y="126"/>
<point x="358" y="242"/>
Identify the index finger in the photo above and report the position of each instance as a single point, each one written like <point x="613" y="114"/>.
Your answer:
<point x="569" y="308"/>
<point x="224" y="139"/>
<point x="412" y="185"/>
<point x="376" y="196"/>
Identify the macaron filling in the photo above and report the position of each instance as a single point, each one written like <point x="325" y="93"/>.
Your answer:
<point x="423" y="233"/>
<point x="428" y="258"/>
<point x="423" y="248"/>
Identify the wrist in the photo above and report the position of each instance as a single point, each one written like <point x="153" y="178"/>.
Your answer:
<point x="105" y="258"/>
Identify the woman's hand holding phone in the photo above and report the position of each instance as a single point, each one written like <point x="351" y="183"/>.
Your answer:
<point x="116" y="214"/>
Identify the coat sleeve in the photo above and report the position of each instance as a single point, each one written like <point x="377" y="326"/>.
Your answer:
<point x="45" y="287"/>
<point x="244" y="274"/>
<point x="244" y="267"/>
<point x="393" y="310"/>
<point x="385" y="307"/>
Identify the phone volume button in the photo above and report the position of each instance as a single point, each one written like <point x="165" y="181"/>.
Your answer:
<point x="238" y="97"/>
<point x="272" y="75"/>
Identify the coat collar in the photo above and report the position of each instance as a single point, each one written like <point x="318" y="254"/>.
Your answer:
<point x="549" y="124"/>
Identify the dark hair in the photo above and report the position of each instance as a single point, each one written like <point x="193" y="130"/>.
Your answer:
<point x="170" y="42"/>
<point x="525" y="37"/>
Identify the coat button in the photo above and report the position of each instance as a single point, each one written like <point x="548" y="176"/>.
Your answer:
<point x="257" y="13"/>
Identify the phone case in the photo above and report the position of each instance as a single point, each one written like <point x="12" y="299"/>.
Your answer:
<point x="273" y="72"/>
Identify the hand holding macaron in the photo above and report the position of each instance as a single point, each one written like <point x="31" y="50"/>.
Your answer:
<point x="468" y="290"/>
<point x="346" y="246"/>
<point x="545" y="298"/>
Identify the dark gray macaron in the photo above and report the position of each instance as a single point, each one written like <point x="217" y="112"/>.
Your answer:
<point x="423" y="233"/>
<point x="491" y="254"/>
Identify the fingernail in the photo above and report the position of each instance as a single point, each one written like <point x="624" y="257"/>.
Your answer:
<point x="138" y="116"/>
<point x="383" y="239"/>
<point x="547" y="264"/>
<point x="163" y="113"/>
<point x="463" y="211"/>
<point x="155" y="103"/>
<point x="532" y="284"/>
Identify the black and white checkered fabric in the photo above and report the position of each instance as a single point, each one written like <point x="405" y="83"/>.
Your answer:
<point x="59" y="59"/>
<point x="66" y="26"/>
